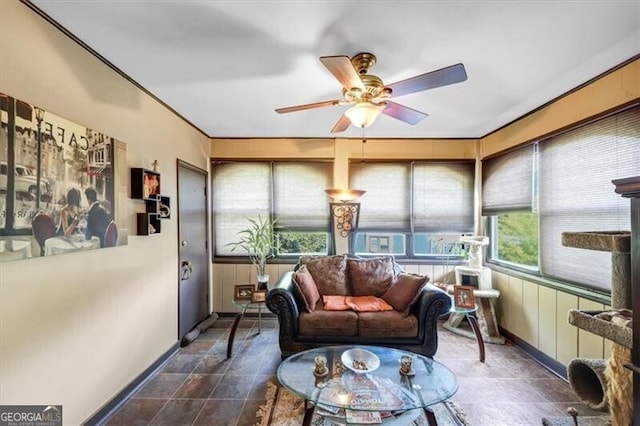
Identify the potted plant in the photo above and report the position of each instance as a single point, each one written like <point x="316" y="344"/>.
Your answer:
<point x="260" y="242"/>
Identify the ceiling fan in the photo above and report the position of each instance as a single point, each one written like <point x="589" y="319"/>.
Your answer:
<point x="370" y="96"/>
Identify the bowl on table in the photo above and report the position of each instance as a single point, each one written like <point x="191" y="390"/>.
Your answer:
<point x="360" y="360"/>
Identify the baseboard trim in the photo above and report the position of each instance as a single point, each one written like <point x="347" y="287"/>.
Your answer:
<point x="545" y="360"/>
<point x="104" y="413"/>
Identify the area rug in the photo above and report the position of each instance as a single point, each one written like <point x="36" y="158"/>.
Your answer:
<point x="282" y="408"/>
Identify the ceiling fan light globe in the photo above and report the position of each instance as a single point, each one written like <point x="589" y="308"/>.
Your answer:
<point x="363" y="114"/>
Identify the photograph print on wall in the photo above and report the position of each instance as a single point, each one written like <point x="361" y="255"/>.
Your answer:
<point x="56" y="185"/>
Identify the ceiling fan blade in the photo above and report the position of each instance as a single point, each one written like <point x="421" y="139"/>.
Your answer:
<point x="343" y="71"/>
<point x="431" y="80"/>
<point x="403" y="113"/>
<point x="342" y="125"/>
<point x="307" y="106"/>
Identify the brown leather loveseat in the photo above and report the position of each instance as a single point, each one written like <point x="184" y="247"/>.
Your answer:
<point x="329" y="300"/>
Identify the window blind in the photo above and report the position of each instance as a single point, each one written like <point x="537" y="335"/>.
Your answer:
<point x="507" y="182"/>
<point x="239" y="191"/>
<point x="576" y="193"/>
<point x="299" y="199"/>
<point x="387" y="203"/>
<point x="292" y="192"/>
<point x="434" y="196"/>
<point x="443" y="197"/>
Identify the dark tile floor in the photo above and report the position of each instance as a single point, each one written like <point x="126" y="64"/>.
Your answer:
<point x="200" y="386"/>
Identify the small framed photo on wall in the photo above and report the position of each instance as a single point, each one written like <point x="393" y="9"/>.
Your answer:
<point x="463" y="296"/>
<point x="243" y="292"/>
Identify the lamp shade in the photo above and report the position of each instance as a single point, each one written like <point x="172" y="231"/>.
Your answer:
<point x="345" y="195"/>
<point x="363" y="114"/>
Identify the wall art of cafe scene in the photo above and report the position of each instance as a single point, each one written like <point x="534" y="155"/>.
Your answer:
<point x="56" y="185"/>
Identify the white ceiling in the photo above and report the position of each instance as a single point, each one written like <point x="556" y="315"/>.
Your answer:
<point x="225" y="66"/>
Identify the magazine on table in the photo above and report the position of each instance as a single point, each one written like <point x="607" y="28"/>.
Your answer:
<point x="406" y="418"/>
<point x="363" y="417"/>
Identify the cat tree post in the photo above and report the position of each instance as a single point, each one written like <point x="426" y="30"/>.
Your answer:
<point x="603" y="384"/>
<point x="620" y="325"/>
<point x="630" y="188"/>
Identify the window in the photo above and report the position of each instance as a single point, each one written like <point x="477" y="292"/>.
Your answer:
<point x="297" y="243"/>
<point x="576" y="193"/>
<point x="439" y="245"/>
<point x="509" y="198"/>
<point x="568" y="180"/>
<point x="378" y="243"/>
<point x="515" y="239"/>
<point x="409" y="205"/>
<point x="291" y="192"/>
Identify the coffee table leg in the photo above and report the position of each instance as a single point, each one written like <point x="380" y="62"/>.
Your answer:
<point x="232" y="333"/>
<point x="431" y="418"/>
<point x="308" y="413"/>
<point x="476" y="329"/>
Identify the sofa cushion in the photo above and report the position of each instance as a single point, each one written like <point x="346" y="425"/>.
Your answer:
<point x="335" y="303"/>
<point x="329" y="273"/>
<point x="387" y="324"/>
<point x="328" y="323"/>
<point x="306" y="287"/>
<point x="404" y="291"/>
<point x="370" y="277"/>
<point x="367" y="304"/>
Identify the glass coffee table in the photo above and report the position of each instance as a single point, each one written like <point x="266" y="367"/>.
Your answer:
<point x="382" y="395"/>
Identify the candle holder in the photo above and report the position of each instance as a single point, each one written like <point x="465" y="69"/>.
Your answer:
<point x="321" y="369"/>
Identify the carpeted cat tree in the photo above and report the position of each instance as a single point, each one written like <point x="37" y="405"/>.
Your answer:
<point x="604" y="385"/>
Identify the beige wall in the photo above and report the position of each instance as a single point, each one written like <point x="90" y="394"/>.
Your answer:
<point x="608" y="93"/>
<point x="76" y="329"/>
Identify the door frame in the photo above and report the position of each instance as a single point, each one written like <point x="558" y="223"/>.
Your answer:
<point x="185" y="165"/>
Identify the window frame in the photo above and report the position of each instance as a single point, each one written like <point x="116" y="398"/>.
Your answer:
<point x="279" y="257"/>
<point x="408" y="233"/>
<point x="543" y="274"/>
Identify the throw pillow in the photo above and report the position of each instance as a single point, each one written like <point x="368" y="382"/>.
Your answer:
<point x="367" y="304"/>
<point x="404" y="291"/>
<point x="370" y="277"/>
<point x="329" y="273"/>
<point x="306" y="287"/>
<point x="334" y="302"/>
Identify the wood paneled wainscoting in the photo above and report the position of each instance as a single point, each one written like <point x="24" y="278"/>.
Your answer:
<point x="536" y="315"/>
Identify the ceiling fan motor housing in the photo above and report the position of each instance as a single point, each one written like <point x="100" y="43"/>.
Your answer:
<point x="374" y="87"/>
<point x="364" y="61"/>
